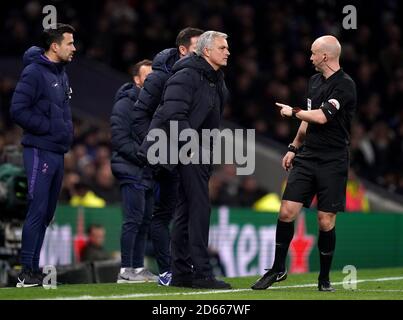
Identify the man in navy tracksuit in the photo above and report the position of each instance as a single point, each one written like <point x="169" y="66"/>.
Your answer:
<point x="40" y="105"/>
<point x="167" y="182"/>
<point x="136" y="182"/>
<point x="194" y="98"/>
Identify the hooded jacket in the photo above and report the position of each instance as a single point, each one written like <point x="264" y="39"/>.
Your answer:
<point x="151" y="93"/>
<point x="125" y="142"/>
<point x="194" y="96"/>
<point x="40" y="104"/>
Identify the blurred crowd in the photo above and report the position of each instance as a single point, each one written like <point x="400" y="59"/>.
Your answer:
<point x="270" y="49"/>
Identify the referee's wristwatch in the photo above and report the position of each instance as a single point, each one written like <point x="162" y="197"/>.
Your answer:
<point x="292" y="148"/>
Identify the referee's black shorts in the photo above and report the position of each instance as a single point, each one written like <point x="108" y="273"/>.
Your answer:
<point x="324" y="177"/>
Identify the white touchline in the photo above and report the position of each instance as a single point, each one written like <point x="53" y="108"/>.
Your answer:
<point x="379" y="290"/>
<point x="144" y="295"/>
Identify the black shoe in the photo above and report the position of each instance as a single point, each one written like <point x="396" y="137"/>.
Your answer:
<point x="324" y="285"/>
<point x="269" y="278"/>
<point x="210" y="283"/>
<point x="181" y="282"/>
<point x="27" y="279"/>
<point x="40" y="276"/>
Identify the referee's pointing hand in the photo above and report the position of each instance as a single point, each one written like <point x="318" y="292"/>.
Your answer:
<point x="285" y="110"/>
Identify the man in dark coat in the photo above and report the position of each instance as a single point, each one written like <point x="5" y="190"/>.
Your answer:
<point x="136" y="183"/>
<point x="40" y="105"/>
<point x="167" y="182"/>
<point x="194" y="98"/>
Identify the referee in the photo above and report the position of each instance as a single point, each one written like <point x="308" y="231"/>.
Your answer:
<point x="318" y="159"/>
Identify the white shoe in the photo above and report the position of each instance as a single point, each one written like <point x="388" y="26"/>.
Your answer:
<point x="147" y="274"/>
<point x="131" y="276"/>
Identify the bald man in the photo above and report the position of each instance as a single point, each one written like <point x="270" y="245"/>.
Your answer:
<point x="317" y="159"/>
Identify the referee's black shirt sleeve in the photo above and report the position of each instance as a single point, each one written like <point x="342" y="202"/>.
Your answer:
<point x="342" y="94"/>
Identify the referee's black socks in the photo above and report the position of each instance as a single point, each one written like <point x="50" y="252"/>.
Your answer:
<point x="326" y="246"/>
<point x="284" y="234"/>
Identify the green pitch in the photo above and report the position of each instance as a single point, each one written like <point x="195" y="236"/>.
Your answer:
<point x="374" y="284"/>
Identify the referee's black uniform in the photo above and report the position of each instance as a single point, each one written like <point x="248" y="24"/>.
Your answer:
<point x="321" y="166"/>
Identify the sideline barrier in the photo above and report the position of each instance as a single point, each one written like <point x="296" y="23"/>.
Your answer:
<point x="245" y="238"/>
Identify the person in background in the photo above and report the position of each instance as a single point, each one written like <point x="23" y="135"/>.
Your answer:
<point x="83" y="196"/>
<point x="356" y="198"/>
<point x="136" y="182"/>
<point x="94" y="248"/>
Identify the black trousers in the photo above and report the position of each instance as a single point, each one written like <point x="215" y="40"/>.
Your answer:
<point x="164" y="208"/>
<point x="190" y="231"/>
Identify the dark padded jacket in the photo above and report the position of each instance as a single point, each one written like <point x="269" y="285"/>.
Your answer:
<point x="40" y="104"/>
<point x="194" y="96"/>
<point x="151" y="93"/>
<point x="125" y="143"/>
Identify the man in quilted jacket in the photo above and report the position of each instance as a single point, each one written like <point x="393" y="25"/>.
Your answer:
<point x="193" y="100"/>
<point x="40" y="106"/>
<point x="166" y="182"/>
